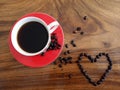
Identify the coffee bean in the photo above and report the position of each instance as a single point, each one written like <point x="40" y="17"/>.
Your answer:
<point x="81" y="33"/>
<point x="74" y="45"/>
<point x="85" y="17"/>
<point x="54" y="63"/>
<point x="68" y="51"/>
<point x="72" y="41"/>
<point x="84" y="72"/>
<point x="107" y="71"/>
<point x="103" y="54"/>
<point x="74" y="32"/>
<point x="100" y="54"/>
<point x="78" y="61"/>
<point x="60" y="59"/>
<point x="107" y="55"/>
<point x="110" y="63"/>
<point x="90" y="58"/>
<point x="87" y="77"/>
<point x="70" y="62"/>
<point x="78" y="28"/>
<point x="70" y="76"/>
<point x="105" y="74"/>
<point x="54" y="43"/>
<point x="85" y="54"/>
<point x="102" y="79"/>
<point x="109" y="67"/>
<point x="66" y="45"/>
<point x="99" y="82"/>
<point x="80" y="67"/>
<point x="79" y="58"/>
<point x="81" y="54"/>
<point x="94" y="84"/>
<point x="60" y="66"/>
<point x="97" y="56"/>
<point x="65" y="53"/>
<point x="95" y="60"/>
<point x="108" y="58"/>
<point x="69" y="58"/>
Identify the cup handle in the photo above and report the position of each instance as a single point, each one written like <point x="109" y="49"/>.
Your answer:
<point x="53" y="26"/>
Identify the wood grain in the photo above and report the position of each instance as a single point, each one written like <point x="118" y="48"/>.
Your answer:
<point x="101" y="34"/>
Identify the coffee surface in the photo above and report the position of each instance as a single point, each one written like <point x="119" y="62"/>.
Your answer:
<point x="32" y="37"/>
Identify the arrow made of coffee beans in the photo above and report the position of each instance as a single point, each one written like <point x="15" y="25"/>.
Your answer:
<point x="92" y="60"/>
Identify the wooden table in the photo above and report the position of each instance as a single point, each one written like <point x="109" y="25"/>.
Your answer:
<point x="101" y="34"/>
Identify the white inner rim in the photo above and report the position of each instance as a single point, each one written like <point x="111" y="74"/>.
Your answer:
<point x="16" y="29"/>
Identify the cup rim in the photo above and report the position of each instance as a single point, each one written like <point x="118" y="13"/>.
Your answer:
<point x="16" y="29"/>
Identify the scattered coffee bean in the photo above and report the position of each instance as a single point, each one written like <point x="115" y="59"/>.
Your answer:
<point x="66" y="45"/>
<point x="65" y="53"/>
<point x="70" y="76"/>
<point x="54" y="63"/>
<point x="60" y="65"/>
<point x="74" y="45"/>
<point x="68" y="51"/>
<point x="60" y="59"/>
<point x="74" y="32"/>
<point x="81" y="54"/>
<point x="72" y="41"/>
<point x="81" y="33"/>
<point x="78" y="28"/>
<point x="85" y="17"/>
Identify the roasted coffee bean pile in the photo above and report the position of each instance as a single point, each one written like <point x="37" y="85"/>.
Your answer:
<point x="54" y="45"/>
<point x="92" y="60"/>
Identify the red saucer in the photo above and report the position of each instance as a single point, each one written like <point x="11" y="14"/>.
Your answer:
<point x="38" y="60"/>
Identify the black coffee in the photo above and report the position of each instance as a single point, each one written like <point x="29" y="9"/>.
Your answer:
<point x="32" y="37"/>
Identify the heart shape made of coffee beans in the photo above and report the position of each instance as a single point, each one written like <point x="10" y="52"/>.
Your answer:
<point x="92" y="60"/>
